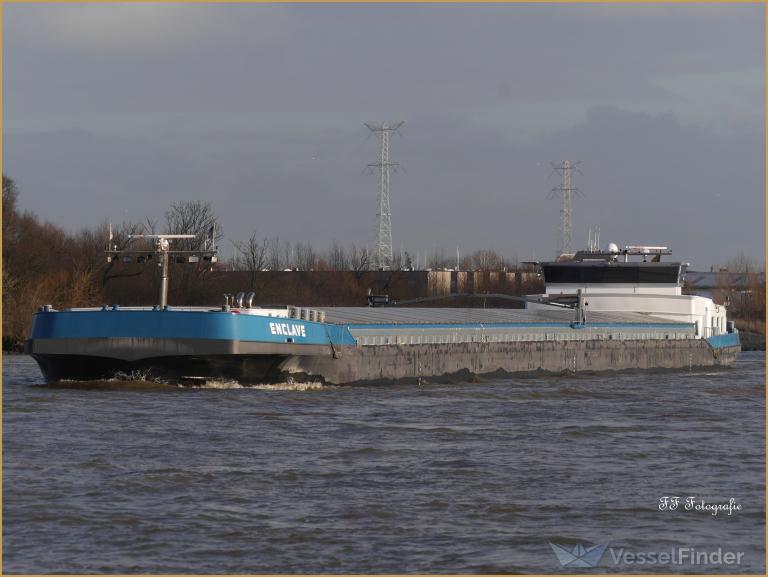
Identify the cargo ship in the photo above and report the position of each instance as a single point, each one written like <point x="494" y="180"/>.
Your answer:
<point x="602" y="310"/>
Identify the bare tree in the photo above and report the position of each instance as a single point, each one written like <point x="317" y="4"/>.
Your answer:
<point x="397" y="260"/>
<point x="407" y="261"/>
<point x="486" y="260"/>
<point x="360" y="260"/>
<point x="119" y="241"/>
<point x="192" y="217"/>
<point x="10" y="196"/>
<point x="437" y="259"/>
<point x="275" y="254"/>
<point x="306" y="257"/>
<point x="197" y="218"/>
<point x="740" y="263"/>
<point x="252" y="255"/>
<point x="337" y="257"/>
<point x="287" y="255"/>
<point x="150" y="226"/>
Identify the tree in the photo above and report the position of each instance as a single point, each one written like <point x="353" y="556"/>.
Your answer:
<point x="10" y="195"/>
<point x="275" y="255"/>
<point x="42" y="264"/>
<point x="120" y="241"/>
<point x="287" y="255"/>
<point x="189" y="281"/>
<point x="486" y="260"/>
<point x="252" y="256"/>
<point x="437" y="259"/>
<point x="306" y="257"/>
<point x="192" y="217"/>
<point x="740" y="263"/>
<point x="337" y="257"/>
<point x="360" y="260"/>
<point x="407" y="261"/>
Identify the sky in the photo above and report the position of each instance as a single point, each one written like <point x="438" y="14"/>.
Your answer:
<point x="113" y="112"/>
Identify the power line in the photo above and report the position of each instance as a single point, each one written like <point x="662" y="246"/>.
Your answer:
<point x="382" y="256"/>
<point x="565" y="191"/>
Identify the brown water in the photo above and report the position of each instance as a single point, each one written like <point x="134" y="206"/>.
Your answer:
<point x="459" y="478"/>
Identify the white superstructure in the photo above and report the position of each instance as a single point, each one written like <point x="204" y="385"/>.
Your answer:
<point x="610" y="282"/>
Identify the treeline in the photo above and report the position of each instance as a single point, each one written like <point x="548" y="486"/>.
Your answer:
<point x="275" y="254"/>
<point x="44" y="264"/>
<point x="741" y="287"/>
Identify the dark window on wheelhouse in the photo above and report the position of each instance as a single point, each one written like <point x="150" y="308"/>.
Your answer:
<point x="608" y="273"/>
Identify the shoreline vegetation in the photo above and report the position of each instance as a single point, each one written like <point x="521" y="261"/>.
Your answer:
<point x="44" y="264"/>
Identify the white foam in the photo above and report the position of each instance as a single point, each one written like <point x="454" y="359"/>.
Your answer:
<point x="290" y="387"/>
<point x="232" y="384"/>
<point x="135" y="376"/>
<point x="211" y="384"/>
<point x="140" y="377"/>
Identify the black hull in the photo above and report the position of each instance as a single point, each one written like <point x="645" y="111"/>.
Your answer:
<point x="242" y="368"/>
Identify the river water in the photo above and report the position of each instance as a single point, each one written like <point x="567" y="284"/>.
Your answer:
<point x="439" y="478"/>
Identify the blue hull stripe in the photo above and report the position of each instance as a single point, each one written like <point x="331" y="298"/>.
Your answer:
<point x="242" y="327"/>
<point x="185" y="325"/>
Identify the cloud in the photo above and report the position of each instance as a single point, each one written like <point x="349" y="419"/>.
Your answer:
<point x="403" y="59"/>
<point x="142" y="26"/>
<point x="727" y="100"/>
<point x="646" y="179"/>
<point x="259" y="107"/>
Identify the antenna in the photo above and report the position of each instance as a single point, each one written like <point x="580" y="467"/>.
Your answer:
<point x="111" y="237"/>
<point x="162" y="249"/>
<point x="593" y="244"/>
<point x="382" y="256"/>
<point x="566" y="191"/>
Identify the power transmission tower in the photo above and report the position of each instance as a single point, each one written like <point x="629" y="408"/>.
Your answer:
<point x="565" y="191"/>
<point x="382" y="257"/>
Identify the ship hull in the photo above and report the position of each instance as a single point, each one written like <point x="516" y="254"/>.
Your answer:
<point x="181" y="346"/>
<point x="397" y="363"/>
<point x="180" y="369"/>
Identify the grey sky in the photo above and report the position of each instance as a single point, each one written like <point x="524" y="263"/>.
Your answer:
<point x="114" y="111"/>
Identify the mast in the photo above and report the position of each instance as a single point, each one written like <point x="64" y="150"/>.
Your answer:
<point x="162" y="250"/>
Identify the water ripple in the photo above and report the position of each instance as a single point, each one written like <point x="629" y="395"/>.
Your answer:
<point x="135" y="477"/>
